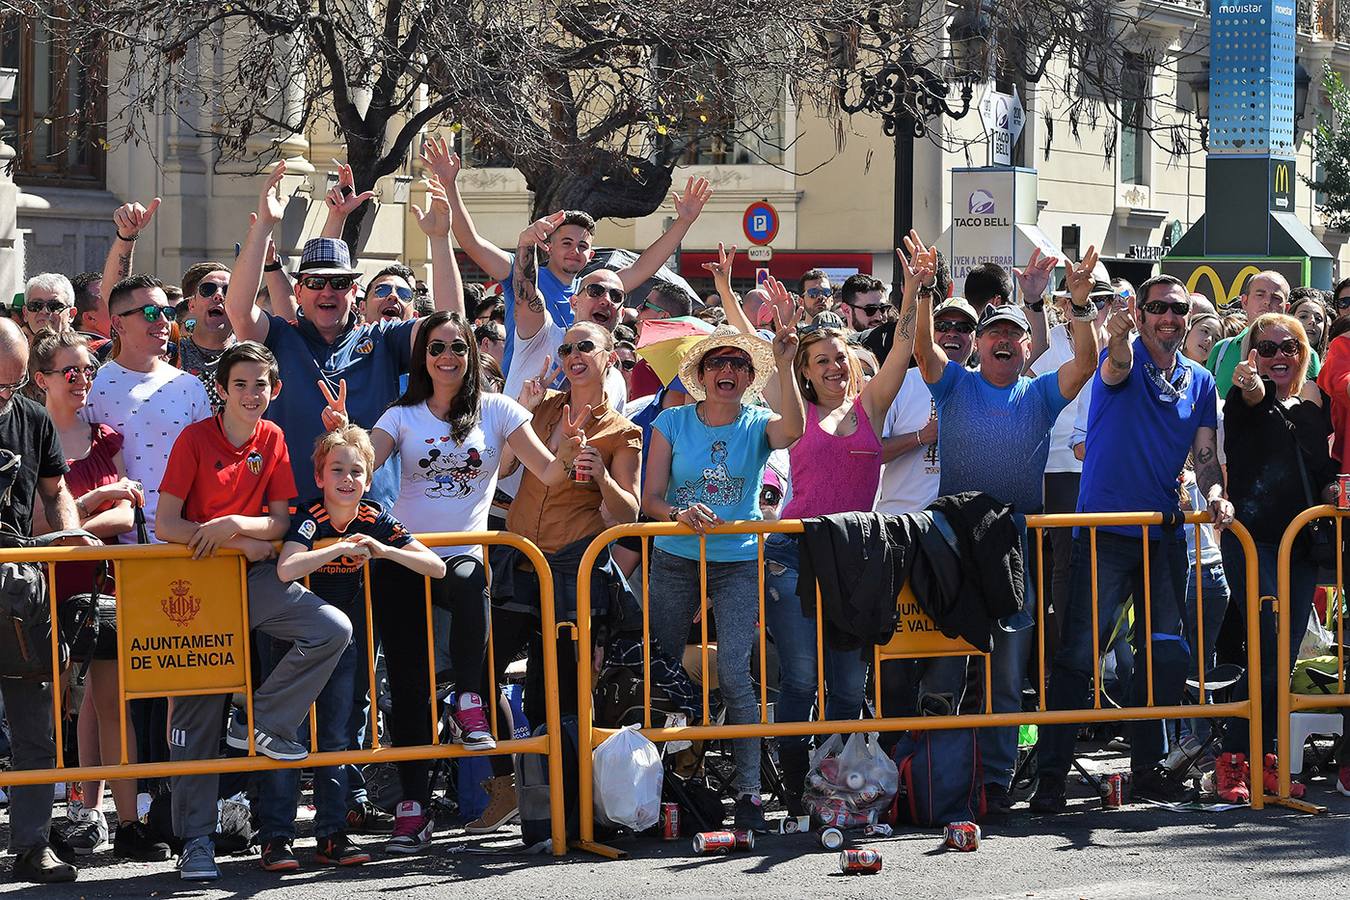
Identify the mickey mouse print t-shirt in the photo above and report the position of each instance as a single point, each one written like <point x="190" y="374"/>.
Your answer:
<point x="447" y="486"/>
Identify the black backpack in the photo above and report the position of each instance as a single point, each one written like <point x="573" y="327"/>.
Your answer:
<point x="26" y="612"/>
<point x="532" y="787"/>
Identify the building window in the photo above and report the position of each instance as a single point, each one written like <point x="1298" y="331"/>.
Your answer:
<point x="1134" y="121"/>
<point x="56" y="121"/>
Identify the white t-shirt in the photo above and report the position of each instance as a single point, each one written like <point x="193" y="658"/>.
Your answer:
<point x="149" y="410"/>
<point x="447" y="486"/>
<point x="528" y="362"/>
<point x="910" y="481"/>
<point x="1060" y="351"/>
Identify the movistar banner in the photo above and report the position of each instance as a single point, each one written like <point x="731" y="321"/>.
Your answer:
<point x="1251" y="79"/>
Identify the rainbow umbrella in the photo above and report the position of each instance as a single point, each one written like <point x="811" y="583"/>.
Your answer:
<point x="664" y="342"/>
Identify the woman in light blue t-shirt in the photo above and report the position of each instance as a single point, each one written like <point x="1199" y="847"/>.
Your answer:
<point x="705" y="464"/>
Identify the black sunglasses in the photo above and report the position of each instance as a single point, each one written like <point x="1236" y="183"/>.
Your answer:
<point x="319" y="282"/>
<point x="1158" y="307"/>
<point x="208" y="289"/>
<point x="39" y="306"/>
<point x="820" y="292"/>
<point x="869" y="309"/>
<point x="1342" y="302"/>
<point x="436" y="348"/>
<point x="599" y="290"/>
<point x="70" y="372"/>
<point x="942" y="326"/>
<point x="628" y="364"/>
<point x="384" y="290"/>
<point x="1268" y="349"/>
<point x="152" y="312"/>
<point x="565" y="350"/>
<point x="734" y="363"/>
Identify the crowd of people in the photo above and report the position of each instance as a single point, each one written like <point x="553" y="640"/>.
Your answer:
<point x="252" y="407"/>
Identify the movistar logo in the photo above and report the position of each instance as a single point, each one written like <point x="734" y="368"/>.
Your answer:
<point x="1236" y="10"/>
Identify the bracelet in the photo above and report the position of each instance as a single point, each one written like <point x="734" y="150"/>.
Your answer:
<point x="129" y="240"/>
<point x="273" y="267"/>
<point x="675" y="514"/>
<point x="1037" y="305"/>
<point x="1083" y="313"/>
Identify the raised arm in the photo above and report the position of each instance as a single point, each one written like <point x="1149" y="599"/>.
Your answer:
<point x="447" y="291"/>
<point x="1119" y="354"/>
<point x="342" y="201"/>
<point x="1082" y="316"/>
<point x="786" y="428"/>
<point x="525" y="275"/>
<point x="731" y="304"/>
<point x="248" y="321"/>
<point x="879" y="393"/>
<point x="129" y="220"/>
<point x="1032" y="282"/>
<point x="932" y="358"/>
<point x="445" y="163"/>
<point x="688" y="206"/>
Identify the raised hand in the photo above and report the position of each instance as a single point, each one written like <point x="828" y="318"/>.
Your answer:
<point x="540" y="231"/>
<point x="1035" y="278"/>
<point x="784" y="307"/>
<point x="721" y="269"/>
<point x="690" y="204"/>
<point x="270" y="254"/>
<point x="132" y="218"/>
<point x="919" y="267"/>
<point x="335" y="414"/>
<point x="440" y="157"/>
<point x="532" y="391"/>
<point x="1080" y="278"/>
<point x="1121" y="324"/>
<point x="435" y="222"/>
<point x="785" y="340"/>
<point x="573" y="434"/>
<point x="343" y="199"/>
<point x="271" y="205"/>
<point x="1248" y="378"/>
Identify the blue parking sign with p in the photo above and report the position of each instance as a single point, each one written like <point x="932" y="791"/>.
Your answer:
<point x="761" y="223"/>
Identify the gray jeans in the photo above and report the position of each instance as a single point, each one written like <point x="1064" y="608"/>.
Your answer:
<point x="319" y="634"/>
<point x="28" y="705"/>
<point x="733" y="596"/>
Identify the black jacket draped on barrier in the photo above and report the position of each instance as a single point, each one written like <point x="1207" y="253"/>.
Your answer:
<point x="962" y="558"/>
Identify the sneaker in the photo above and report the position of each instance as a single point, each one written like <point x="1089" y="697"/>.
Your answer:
<point x="134" y="841"/>
<point x="39" y="865"/>
<point x="1231" y="773"/>
<point x="1343" y="781"/>
<point x="1049" y="798"/>
<point x="268" y="744"/>
<point x="1153" y="784"/>
<point x="750" y="813"/>
<point x="88" y="833"/>
<point x="471" y="724"/>
<point x="1270" y="779"/>
<point x="367" y="818"/>
<point x="277" y="856"/>
<point x="198" y="862"/>
<point x="338" y="850"/>
<point x="997" y="800"/>
<point x="501" y="808"/>
<point x="412" y="829"/>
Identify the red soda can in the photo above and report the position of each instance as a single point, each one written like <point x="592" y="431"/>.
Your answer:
<point x="1113" y="791"/>
<point x="1343" y="491"/>
<point x="963" y="836"/>
<point x="714" y="842"/>
<point x="581" y="477"/>
<point x="859" y="862"/>
<point x="745" y="840"/>
<point x="670" y="821"/>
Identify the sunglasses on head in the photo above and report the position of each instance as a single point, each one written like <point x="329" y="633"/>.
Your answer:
<point x="208" y="289"/>
<point x="153" y="312"/>
<point x="70" y="373"/>
<point x="384" y="290"/>
<point x="596" y="291"/>
<point x="565" y="350"/>
<point x="942" y="326"/>
<point x="1158" y="307"/>
<point x="869" y="309"/>
<point x="820" y="292"/>
<point x="1268" y="349"/>
<point x="319" y="282"/>
<point x="436" y="348"/>
<point x="734" y="363"/>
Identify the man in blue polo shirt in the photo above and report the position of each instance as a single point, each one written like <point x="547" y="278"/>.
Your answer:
<point x="327" y="345"/>
<point x="1150" y="407"/>
<point x="996" y="409"/>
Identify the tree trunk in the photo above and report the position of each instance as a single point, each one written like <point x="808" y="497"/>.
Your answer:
<point x="613" y="193"/>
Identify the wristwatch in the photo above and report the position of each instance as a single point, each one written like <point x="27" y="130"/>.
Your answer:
<point x="675" y="514"/>
<point x="1037" y="305"/>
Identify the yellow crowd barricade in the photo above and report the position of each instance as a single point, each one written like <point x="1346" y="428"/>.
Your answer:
<point x="182" y="630"/>
<point x="1287" y="702"/>
<point x="590" y="736"/>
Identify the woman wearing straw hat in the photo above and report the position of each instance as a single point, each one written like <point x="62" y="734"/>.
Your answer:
<point x="705" y="464"/>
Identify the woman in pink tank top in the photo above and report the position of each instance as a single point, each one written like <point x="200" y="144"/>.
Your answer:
<point x="835" y="468"/>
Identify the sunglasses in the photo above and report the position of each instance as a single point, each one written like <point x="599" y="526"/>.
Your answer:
<point x="1342" y="302"/>
<point x="208" y="289"/>
<point x="943" y="326"/>
<point x="436" y="348"/>
<point x="153" y="312"/>
<point x="1268" y="349"/>
<point x="628" y="364"/>
<point x="565" y="350"/>
<point x="40" y="306"/>
<point x="319" y="282"/>
<point x="596" y="291"/>
<point x="869" y="309"/>
<point x="70" y="373"/>
<point x="734" y="363"/>
<point x="820" y="292"/>
<point x="1158" y="307"/>
<point x="384" y="290"/>
<point x="16" y="386"/>
<point x="647" y="304"/>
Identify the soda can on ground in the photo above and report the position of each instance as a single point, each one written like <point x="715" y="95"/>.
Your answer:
<point x="714" y="842"/>
<point x="963" y="836"/>
<point x="1343" y="491"/>
<point x="880" y="829"/>
<point x="794" y="825"/>
<point x="859" y="862"/>
<point x="670" y="821"/>
<point x="745" y="840"/>
<point x="831" y="838"/>
<point x="1113" y="791"/>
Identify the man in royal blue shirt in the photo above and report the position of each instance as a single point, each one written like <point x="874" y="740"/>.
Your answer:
<point x="1150" y="407"/>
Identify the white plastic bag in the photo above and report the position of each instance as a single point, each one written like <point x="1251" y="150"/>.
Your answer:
<point x="850" y="783"/>
<point x="627" y="781"/>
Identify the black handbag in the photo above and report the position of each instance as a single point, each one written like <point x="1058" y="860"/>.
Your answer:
<point x="1321" y="533"/>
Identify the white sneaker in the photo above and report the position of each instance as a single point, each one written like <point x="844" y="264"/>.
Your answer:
<point x="89" y="833"/>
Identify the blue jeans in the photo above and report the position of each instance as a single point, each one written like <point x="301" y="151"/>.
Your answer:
<point x="1120" y="575"/>
<point x="1215" y="591"/>
<point x="279" y="789"/>
<point x="1302" y="584"/>
<point x="794" y="635"/>
<point x="732" y="591"/>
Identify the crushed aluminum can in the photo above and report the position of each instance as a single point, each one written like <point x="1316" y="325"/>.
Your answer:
<point x="670" y="821"/>
<point x="963" y="836"/>
<point x="794" y="825"/>
<point x="859" y="862"/>
<point x="831" y="838"/>
<point x="880" y="829"/>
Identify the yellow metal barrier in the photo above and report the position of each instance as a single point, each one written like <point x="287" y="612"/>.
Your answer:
<point x="166" y="614"/>
<point x="590" y="736"/>
<point x="1287" y="702"/>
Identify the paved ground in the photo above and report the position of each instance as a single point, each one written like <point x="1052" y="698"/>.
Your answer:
<point x="1139" y="851"/>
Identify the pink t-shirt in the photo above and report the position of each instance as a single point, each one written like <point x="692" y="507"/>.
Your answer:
<point x="834" y="474"/>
